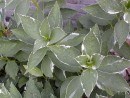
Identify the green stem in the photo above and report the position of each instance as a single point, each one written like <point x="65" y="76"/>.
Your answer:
<point x="35" y="3"/>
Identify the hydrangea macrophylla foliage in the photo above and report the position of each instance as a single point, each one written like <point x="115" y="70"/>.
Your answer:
<point x="44" y="53"/>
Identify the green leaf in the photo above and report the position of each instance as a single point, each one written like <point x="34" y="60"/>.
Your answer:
<point x="127" y="17"/>
<point x="11" y="4"/>
<point x="115" y="66"/>
<point x="99" y="96"/>
<point x="6" y="46"/>
<point x="39" y="43"/>
<point x="64" y="86"/>
<point x="22" y="56"/>
<point x="96" y="11"/>
<point x="12" y="69"/>
<point x="71" y="88"/>
<point x="35" y="71"/>
<point x="38" y="14"/>
<point x="20" y="46"/>
<point x="22" y="8"/>
<point x="32" y="91"/>
<point x="4" y="92"/>
<point x="45" y="30"/>
<point x="97" y="59"/>
<point x="110" y="6"/>
<point x="99" y="21"/>
<point x="35" y="58"/>
<point x="91" y="43"/>
<point x="22" y="81"/>
<point x="107" y="41"/>
<point x="54" y="17"/>
<point x="14" y="92"/>
<point x="73" y="39"/>
<point x="88" y="81"/>
<point x="47" y="67"/>
<point x="121" y="30"/>
<point x="86" y="21"/>
<point x="2" y="63"/>
<point x="69" y="27"/>
<point x="112" y="82"/>
<point x="119" y="95"/>
<point x="94" y="61"/>
<point x="109" y="60"/>
<point x="127" y="95"/>
<point x="47" y="91"/>
<point x="66" y="54"/>
<point x="59" y="74"/>
<point x="22" y="35"/>
<point x="2" y="3"/>
<point x="82" y="60"/>
<point x="30" y="26"/>
<point x="56" y="35"/>
<point x="62" y="65"/>
<point x="67" y="13"/>
<point x="123" y="51"/>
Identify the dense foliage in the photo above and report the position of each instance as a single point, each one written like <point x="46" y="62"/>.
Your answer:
<point x="45" y="53"/>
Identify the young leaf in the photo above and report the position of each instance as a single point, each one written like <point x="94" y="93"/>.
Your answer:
<point x="56" y="35"/>
<point x="47" y="67"/>
<point x="91" y="43"/>
<point x="39" y="14"/>
<point x="10" y="67"/>
<point x="45" y="30"/>
<point x="14" y="92"/>
<point x="82" y="60"/>
<point x="54" y="17"/>
<point x="110" y="6"/>
<point x="96" y="11"/>
<point x="66" y="54"/>
<point x="30" y="26"/>
<point x="32" y="90"/>
<point x="88" y="81"/>
<point x="39" y="43"/>
<point x="121" y="30"/>
<point x="97" y="59"/>
<point x="22" y="8"/>
<point x="35" y="58"/>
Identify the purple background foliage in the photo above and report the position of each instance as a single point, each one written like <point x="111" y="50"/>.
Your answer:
<point x="78" y="5"/>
